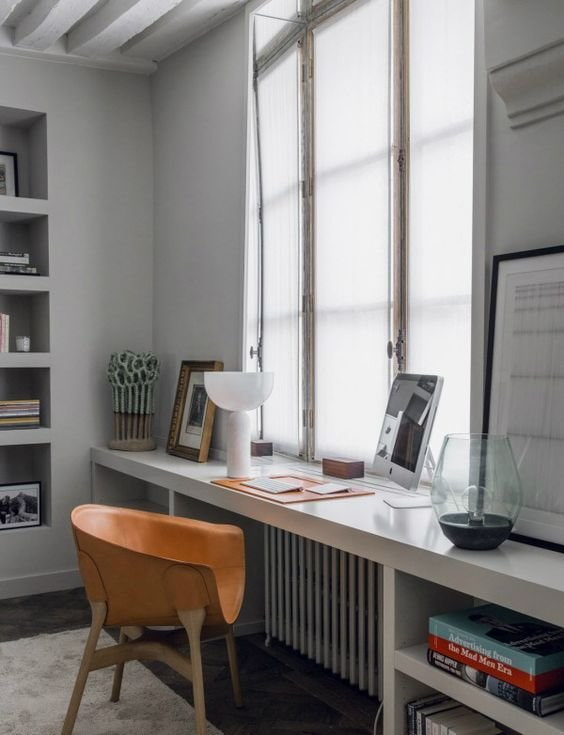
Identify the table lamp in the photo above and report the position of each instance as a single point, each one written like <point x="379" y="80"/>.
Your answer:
<point x="238" y="393"/>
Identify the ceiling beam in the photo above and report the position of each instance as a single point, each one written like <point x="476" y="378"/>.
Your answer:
<point x="190" y="19"/>
<point x="115" y="23"/>
<point x="49" y="21"/>
<point x="57" y="54"/>
<point x="7" y="7"/>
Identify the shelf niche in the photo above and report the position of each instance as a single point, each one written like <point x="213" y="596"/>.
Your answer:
<point x="21" y="383"/>
<point x="24" y="132"/>
<point x="28" y="463"/>
<point x="29" y="236"/>
<point x="29" y="316"/>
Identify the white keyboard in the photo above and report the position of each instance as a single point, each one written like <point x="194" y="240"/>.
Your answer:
<point x="272" y="485"/>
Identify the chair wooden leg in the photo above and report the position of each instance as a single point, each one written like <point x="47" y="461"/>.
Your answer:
<point x="234" y="668"/>
<point x="193" y="620"/>
<point x="98" y="618"/>
<point x="118" y="673"/>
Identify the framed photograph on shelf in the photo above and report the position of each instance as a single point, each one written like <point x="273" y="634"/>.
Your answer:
<point x="8" y="174"/>
<point x="20" y="505"/>
<point x="524" y="391"/>
<point x="193" y="413"/>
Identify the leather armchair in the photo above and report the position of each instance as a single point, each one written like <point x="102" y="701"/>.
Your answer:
<point x="145" y="569"/>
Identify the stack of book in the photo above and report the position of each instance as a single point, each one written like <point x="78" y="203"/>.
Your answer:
<point x="19" y="414"/>
<point x="512" y="656"/>
<point x="440" y="715"/>
<point x="16" y="264"/>
<point x="4" y="332"/>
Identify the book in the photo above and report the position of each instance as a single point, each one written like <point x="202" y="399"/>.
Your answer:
<point x="423" y="713"/>
<point x="22" y="270"/>
<point x="416" y="704"/>
<point x="513" y="647"/>
<point x="538" y="704"/>
<point x="4" y="332"/>
<point x="442" y="720"/>
<point x="14" y="258"/>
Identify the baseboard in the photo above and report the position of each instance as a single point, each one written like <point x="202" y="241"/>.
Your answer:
<point x="38" y="583"/>
<point x="248" y="628"/>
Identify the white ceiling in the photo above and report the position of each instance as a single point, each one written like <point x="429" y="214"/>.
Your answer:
<point x="123" y="34"/>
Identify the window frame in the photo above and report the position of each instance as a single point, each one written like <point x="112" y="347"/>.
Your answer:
<point x="307" y="20"/>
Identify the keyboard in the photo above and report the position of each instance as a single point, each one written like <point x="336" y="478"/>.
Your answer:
<point x="272" y="485"/>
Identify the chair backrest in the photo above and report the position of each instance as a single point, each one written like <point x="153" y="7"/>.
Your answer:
<point x="146" y="566"/>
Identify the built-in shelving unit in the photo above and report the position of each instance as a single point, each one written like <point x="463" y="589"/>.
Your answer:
<point x="25" y="454"/>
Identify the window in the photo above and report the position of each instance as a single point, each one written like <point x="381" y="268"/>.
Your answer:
<point x="360" y="214"/>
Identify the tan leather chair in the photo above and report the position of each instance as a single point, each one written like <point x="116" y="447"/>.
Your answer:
<point x="146" y="569"/>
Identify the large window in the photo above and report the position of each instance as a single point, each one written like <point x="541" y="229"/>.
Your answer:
<point x="360" y="221"/>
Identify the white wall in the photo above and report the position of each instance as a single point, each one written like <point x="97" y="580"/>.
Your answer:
<point x="101" y="237"/>
<point x="525" y="165"/>
<point x="199" y="114"/>
<point x="199" y="141"/>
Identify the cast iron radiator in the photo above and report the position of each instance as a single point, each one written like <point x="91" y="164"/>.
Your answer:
<point x="322" y="603"/>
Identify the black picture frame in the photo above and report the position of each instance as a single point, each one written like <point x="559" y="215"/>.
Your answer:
<point x="9" y="181"/>
<point x="524" y="383"/>
<point x="20" y="505"/>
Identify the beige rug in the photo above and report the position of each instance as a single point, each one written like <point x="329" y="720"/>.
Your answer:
<point x="36" y="680"/>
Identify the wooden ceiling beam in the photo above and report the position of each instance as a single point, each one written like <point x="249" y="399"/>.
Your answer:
<point x="7" y="7"/>
<point x="114" y="24"/>
<point x="49" y="21"/>
<point x="192" y="18"/>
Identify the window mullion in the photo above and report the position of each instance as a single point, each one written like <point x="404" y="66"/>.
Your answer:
<point x="307" y="265"/>
<point x="399" y="200"/>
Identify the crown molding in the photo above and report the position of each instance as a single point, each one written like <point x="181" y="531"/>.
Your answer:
<point x="532" y="85"/>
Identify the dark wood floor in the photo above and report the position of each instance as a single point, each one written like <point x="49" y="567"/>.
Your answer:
<point x="284" y="692"/>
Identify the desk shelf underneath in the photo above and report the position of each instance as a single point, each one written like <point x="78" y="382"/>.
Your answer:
<point x="412" y="661"/>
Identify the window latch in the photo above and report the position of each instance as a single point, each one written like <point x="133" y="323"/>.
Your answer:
<point x="257" y="352"/>
<point x="397" y="350"/>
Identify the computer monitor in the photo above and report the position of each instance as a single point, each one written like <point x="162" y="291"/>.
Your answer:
<point x="406" y="430"/>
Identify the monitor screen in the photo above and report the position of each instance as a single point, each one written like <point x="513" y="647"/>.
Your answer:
<point x="406" y="429"/>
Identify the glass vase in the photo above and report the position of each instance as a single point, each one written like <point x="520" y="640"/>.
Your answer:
<point x="476" y="492"/>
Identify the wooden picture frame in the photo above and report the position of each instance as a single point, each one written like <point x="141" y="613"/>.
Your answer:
<point x="193" y="412"/>
<point x="20" y="505"/>
<point x="9" y="174"/>
<point x="524" y="389"/>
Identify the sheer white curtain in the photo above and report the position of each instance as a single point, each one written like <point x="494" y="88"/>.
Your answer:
<point x="279" y="164"/>
<point x="352" y="229"/>
<point x="440" y="227"/>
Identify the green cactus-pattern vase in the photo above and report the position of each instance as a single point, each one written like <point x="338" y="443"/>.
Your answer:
<point x="132" y="376"/>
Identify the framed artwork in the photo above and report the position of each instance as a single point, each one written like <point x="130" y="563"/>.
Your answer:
<point x="193" y="413"/>
<point x="524" y="391"/>
<point x="20" y="505"/>
<point x="8" y="174"/>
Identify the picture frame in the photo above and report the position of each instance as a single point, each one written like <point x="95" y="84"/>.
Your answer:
<point x="193" y="412"/>
<point x="20" y="505"/>
<point x="9" y="185"/>
<point x="524" y="388"/>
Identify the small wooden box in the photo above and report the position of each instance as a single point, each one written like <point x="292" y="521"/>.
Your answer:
<point x="261" y="448"/>
<point x="346" y="469"/>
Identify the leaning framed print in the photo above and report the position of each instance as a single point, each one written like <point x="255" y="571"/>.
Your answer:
<point x="20" y="505"/>
<point x="8" y="174"/>
<point x="193" y="413"/>
<point x="524" y="389"/>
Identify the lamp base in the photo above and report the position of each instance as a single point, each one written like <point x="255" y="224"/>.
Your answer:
<point x="238" y="445"/>
<point x="488" y="535"/>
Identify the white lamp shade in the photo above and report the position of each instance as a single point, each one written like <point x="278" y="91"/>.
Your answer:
<point x="236" y="391"/>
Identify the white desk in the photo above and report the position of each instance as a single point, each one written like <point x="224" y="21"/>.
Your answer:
<point x="423" y="573"/>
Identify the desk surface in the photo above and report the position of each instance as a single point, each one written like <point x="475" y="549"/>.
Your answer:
<point x="410" y="540"/>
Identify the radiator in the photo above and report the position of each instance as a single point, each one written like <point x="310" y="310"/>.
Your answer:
<point x="322" y="603"/>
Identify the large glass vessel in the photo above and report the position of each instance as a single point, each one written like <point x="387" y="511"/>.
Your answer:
<point x="476" y="490"/>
